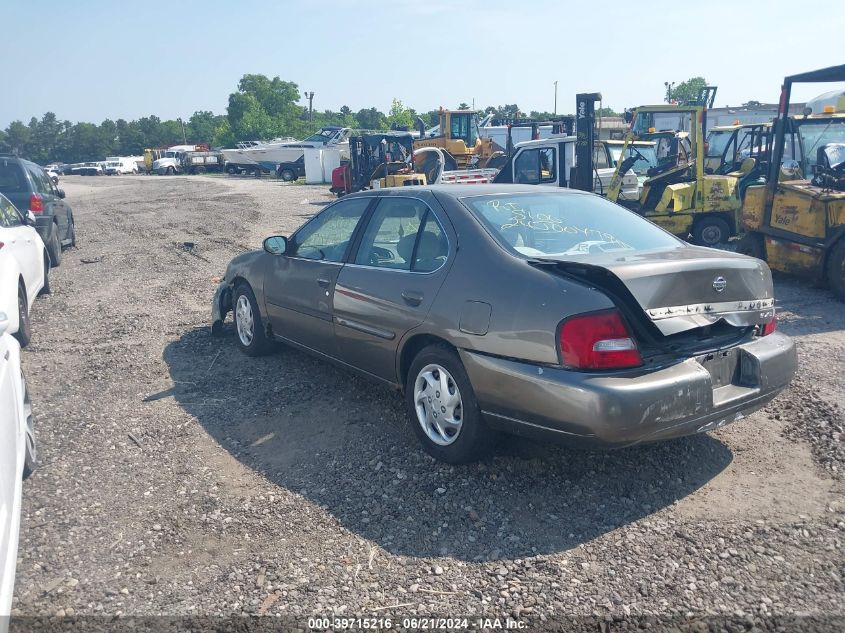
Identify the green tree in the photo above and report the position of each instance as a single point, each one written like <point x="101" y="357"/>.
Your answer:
<point x="463" y="106"/>
<point x="400" y="117"/>
<point x="17" y="137"/>
<point x="201" y="126"/>
<point x="686" y="90"/>
<point x="370" y="119"/>
<point x="263" y="108"/>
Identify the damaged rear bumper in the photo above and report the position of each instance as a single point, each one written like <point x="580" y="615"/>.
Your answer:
<point x="693" y="396"/>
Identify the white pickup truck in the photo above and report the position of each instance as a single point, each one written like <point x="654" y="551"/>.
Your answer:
<point x="551" y="161"/>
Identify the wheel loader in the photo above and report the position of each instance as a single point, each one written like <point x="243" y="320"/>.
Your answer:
<point x="460" y="141"/>
<point x="796" y="220"/>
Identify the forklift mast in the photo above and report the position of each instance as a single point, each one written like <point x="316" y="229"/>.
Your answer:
<point x="585" y="116"/>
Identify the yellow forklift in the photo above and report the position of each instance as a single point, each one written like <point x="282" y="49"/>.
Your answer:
<point x="677" y="194"/>
<point x="796" y="221"/>
<point x="459" y="140"/>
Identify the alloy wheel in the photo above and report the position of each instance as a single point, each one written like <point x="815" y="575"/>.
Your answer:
<point x="438" y="404"/>
<point x="244" y="320"/>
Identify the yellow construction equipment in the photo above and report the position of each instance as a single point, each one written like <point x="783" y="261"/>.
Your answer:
<point x="458" y="138"/>
<point x="677" y="194"/>
<point x="796" y="221"/>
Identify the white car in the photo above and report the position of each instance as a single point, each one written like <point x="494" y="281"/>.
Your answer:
<point x="17" y="460"/>
<point x="24" y="269"/>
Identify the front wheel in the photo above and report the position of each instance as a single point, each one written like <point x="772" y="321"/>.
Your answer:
<point x="835" y="269"/>
<point x="170" y="171"/>
<point x="442" y="407"/>
<point x="249" y="326"/>
<point x="710" y="232"/>
<point x="287" y="175"/>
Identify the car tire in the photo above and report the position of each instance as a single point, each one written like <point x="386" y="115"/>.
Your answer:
<point x="710" y="232"/>
<point x="250" y="333"/>
<point x="231" y="170"/>
<point x="287" y="175"/>
<point x="435" y="374"/>
<point x="31" y="452"/>
<point x="751" y="244"/>
<point x="54" y="246"/>
<point x="835" y="269"/>
<point x="45" y="289"/>
<point x="24" y="333"/>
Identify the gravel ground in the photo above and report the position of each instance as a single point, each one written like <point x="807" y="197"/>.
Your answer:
<point x="181" y="478"/>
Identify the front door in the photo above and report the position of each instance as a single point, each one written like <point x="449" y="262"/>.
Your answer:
<point x="389" y="287"/>
<point x="300" y="284"/>
<point x="22" y="240"/>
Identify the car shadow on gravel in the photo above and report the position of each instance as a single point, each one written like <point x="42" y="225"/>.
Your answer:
<point x="344" y="444"/>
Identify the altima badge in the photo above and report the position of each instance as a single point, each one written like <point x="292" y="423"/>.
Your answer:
<point x="719" y="284"/>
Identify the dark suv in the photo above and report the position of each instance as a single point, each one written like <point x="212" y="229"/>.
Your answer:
<point x="30" y="189"/>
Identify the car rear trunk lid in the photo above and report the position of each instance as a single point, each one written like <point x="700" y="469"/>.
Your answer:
<point x="682" y="289"/>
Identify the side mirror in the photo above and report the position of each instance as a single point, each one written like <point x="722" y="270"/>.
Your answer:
<point x="276" y="245"/>
<point x="4" y="323"/>
<point x="29" y="218"/>
<point x="61" y="193"/>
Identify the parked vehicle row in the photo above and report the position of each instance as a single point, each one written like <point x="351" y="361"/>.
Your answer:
<point x="34" y="224"/>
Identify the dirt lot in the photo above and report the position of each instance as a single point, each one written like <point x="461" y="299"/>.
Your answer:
<point x="180" y="477"/>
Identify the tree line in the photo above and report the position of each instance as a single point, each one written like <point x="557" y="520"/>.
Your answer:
<point x="260" y="109"/>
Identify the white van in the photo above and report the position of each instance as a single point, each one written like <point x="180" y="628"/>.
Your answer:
<point x="116" y="165"/>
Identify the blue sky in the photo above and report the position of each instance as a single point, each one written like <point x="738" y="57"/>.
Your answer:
<point x="88" y="60"/>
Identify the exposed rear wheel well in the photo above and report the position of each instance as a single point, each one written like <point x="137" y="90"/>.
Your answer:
<point x="413" y="347"/>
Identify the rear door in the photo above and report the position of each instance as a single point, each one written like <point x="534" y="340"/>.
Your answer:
<point x="389" y="286"/>
<point x="53" y="204"/>
<point x="300" y="284"/>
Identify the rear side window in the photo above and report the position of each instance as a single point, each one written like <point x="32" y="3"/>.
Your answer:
<point x="403" y="234"/>
<point x="40" y="179"/>
<point x="12" y="179"/>
<point x="565" y="225"/>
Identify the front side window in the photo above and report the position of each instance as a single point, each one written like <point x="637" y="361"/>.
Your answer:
<point x="536" y="166"/>
<point x="565" y="226"/>
<point x="327" y="236"/>
<point x="817" y="135"/>
<point x="403" y="234"/>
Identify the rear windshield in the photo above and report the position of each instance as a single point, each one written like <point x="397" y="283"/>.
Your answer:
<point x="560" y="225"/>
<point x="12" y="179"/>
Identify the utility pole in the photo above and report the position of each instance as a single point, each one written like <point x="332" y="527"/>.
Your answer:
<point x="555" y="97"/>
<point x="184" y="137"/>
<point x="310" y="97"/>
<point x="669" y="85"/>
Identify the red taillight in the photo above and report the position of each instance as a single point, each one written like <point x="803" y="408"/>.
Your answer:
<point x="770" y="327"/>
<point x="36" y="203"/>
<point x="600" y="340"/>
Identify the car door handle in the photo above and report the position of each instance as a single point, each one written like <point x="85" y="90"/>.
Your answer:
<point x="412" y="298"/>
<point x="325" y="283"/>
